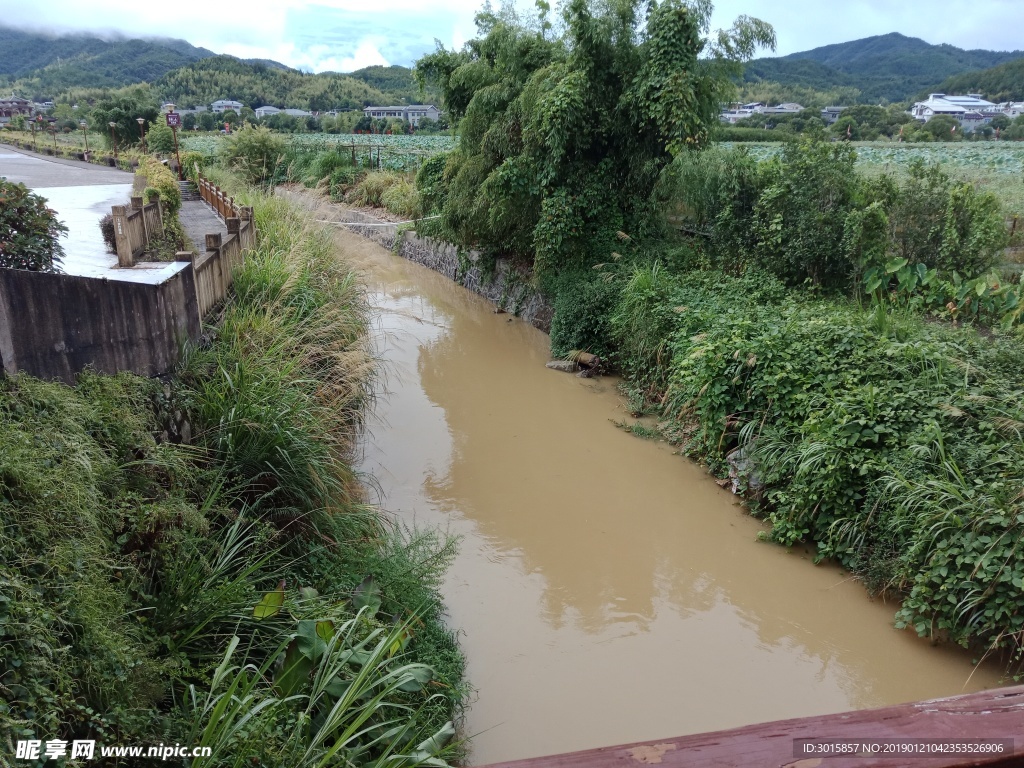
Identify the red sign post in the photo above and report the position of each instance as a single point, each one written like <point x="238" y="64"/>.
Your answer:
<point x="174" y="122"/>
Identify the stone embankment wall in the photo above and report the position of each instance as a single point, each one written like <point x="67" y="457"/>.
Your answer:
<point x="506" y="286"/>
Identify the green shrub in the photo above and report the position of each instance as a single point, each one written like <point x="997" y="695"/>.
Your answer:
<point x="583" y="303"/>
<point x="806" y="215"/>
<point x="29" y="230"/>
<point x="162" y="179"/>
<point x="192" y="164"/>
<point x="256" y="153"/>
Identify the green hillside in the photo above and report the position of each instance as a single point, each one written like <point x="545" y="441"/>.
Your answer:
<point x="1002" y="83"/>
<point x="39" y="66"/>
<point x="892" y="68"/>
<point x="255" y="85"/>
<point x="398" y="83"/>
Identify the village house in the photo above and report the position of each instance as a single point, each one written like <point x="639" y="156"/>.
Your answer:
<point x="267" y="111"/>
<point x="14" y="106"/>
<point x="829" y="115"/>
<point x="743" y="111"/>
<point x="412" y="113"/>
<point x="224" y="105"/>
<point x="971" y="111"/>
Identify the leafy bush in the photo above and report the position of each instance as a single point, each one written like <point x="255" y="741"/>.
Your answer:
<point x="106" y="225"/>
<point x="193" y="164"/>
<point x="162" y="179"/>
<point x="256" y="153"/>
<point x="582" y="307"/>
<point x="807" y="215"/>
<point x="29" y="231"/>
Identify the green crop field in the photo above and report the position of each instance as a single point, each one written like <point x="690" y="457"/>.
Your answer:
<point x="390" y="152"/>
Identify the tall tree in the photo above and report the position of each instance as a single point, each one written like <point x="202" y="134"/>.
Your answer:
<point x="123" y="110"/>
<point x="563" y="136"/>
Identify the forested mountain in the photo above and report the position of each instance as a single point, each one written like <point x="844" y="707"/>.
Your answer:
<point x="39" y="66"/>
<point x="892" y="68"/>
<point x="1002" y="83"/>
<point x="225" y="77"/>
<point x="398" y="83"/>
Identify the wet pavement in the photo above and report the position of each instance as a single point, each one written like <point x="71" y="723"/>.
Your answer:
<point x="82" y="194"/>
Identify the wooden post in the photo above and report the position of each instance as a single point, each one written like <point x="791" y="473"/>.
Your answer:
<point x="139" y="206"/>
<point x="124" y="246"/>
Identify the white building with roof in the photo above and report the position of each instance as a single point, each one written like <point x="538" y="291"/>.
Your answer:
<point x="412" y="113"/>
<point x="262" y="112"/>
<point x="224" y="105"/>
<point x="954" y="106"/>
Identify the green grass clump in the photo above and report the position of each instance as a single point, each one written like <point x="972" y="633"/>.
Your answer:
<point x="371" y="188"/>
<point x="402" y="199"/>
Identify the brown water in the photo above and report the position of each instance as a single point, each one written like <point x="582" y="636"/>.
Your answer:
<point x="607" y="590"/>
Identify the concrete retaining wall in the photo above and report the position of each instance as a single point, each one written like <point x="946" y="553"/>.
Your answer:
<point x="52" y="326"/>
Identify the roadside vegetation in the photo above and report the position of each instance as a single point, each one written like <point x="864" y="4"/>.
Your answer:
<point x="194" y="562"/>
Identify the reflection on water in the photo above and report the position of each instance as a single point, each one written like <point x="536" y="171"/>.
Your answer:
<point x="606" y="589"/>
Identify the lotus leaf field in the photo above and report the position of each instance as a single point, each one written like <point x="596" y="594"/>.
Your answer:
<point x="389" y="152"/>
<point x="994" y="165"/>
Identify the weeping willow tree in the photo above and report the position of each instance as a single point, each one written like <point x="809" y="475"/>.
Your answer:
<point x="563" y="132"/>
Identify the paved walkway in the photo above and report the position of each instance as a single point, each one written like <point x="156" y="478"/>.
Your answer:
<point x="81" y="194"/>
<point x="199" y="220"/>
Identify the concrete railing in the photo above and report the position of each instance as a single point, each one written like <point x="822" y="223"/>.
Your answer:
<point x="214" y="270"/>
<point x="222" y="203"/>
<point x="135" y="226"/>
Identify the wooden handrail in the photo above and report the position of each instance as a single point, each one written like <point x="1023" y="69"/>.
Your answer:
<point x="976" y="729"/>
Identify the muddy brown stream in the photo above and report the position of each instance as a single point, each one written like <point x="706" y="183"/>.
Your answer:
<point x="606" y="589"/>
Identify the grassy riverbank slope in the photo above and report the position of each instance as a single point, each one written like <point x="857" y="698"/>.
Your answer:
<point x="194" y="562"/>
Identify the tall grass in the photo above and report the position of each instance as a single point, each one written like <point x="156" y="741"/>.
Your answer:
<point x="280" y="395"/>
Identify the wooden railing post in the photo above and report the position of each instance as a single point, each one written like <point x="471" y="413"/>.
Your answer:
<point x="139" y="206"/>
<point x="121" y="239"/>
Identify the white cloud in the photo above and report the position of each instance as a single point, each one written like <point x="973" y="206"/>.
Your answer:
<point x="262" y="29"/>
<point x="366" y="55"/>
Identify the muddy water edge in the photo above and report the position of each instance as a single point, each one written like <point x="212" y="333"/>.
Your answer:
<point x="606" y="589"/>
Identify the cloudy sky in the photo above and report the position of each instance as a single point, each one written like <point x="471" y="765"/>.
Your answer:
<point x="342" y="35"/>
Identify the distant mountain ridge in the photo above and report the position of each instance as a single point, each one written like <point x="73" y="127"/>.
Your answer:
<point x="43" y="64"/>
<point x="890" y="67"/>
